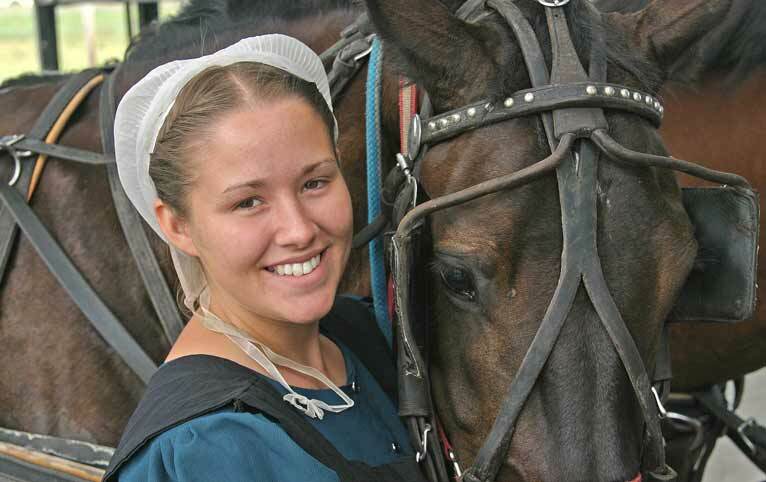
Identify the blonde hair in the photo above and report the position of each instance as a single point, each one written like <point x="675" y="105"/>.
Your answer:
<point x="207" y="97"/>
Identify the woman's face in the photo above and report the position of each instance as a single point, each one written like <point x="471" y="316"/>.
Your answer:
<point x="269" y="214"/>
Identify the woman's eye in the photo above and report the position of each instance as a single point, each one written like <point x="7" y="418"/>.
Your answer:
<point x="459" y="281"/>
<point x="314" y="184"/>
<point x="249" y="203"/>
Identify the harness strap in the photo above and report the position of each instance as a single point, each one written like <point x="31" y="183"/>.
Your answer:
<point x="42" y="127"/>
<point x="58" y="127"/>
<point x="408" y="107"/>
<point x="748" y="435"/>
<point x="62" y="152"/>
<point x="162" y="299"/>
<point x="348" y="54"/>
<point x="102" y="319"/>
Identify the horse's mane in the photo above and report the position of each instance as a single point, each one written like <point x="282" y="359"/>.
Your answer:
<point x="207" y="25"/>
<point x="738" y="52"/>
<point x="201" y="21"/>
<point x="746" y="50"/>
<point x="32" y="79"/>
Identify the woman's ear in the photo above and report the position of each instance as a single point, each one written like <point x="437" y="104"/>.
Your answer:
<point x="175" y="227"/>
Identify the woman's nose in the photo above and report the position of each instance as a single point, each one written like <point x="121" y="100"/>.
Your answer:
<point x="295" y="226"/>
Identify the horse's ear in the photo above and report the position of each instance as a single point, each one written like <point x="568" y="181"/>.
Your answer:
<point x="683" y="38"/>
<point x="436" y="49"/>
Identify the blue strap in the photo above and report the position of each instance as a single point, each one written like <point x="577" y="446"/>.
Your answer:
<point x="374" y="187"/>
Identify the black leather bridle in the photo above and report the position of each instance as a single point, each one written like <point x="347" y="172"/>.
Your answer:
<point x="571" y="104"/>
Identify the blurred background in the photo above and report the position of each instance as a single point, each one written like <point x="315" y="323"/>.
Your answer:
<point x="88" y="34"/>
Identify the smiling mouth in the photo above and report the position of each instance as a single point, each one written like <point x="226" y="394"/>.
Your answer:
<point x="296" y="269"/>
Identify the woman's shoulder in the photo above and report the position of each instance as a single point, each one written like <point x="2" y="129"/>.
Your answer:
<point x="224" y="445"/>
<point x="180" y="391"/>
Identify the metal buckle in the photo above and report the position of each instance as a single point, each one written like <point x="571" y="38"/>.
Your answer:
<point x="741" y="431"/>
<point x="455" y="465"/>
<point x="668" y="474"/>
<point x="660" y="406"/>
<point x="401" y="162"/>
<point x="693" y="424"/>
<point x="364" y="53"/>
<point x="7" y="143"/>
<point x="554" y="3"/>
<point x="421" y="455"/>
<point x="414" y="136"/>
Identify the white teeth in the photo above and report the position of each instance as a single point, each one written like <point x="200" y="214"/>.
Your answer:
<point x="298" y="269"/>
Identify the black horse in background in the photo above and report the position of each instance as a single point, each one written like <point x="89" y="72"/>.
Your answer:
<point x="582" y="413"/>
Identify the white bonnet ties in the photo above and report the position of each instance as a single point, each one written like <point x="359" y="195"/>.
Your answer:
<point x="267" y="358"/>
<point x="143" y="109"/>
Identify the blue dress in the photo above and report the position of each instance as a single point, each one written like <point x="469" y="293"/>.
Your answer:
<point x="227" y="445"/>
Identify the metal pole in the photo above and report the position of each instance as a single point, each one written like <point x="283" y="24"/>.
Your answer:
<point x="129" y="20"/>
<point x="147" y="13"/>
<point x="46" y="36"/>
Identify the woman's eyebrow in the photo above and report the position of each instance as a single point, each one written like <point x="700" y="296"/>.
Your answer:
<point x="257" y="183"/>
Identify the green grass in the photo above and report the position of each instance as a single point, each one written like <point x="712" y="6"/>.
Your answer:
<point x="18" y="36"/>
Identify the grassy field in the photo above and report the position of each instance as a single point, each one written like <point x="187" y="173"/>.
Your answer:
<point x="18" y="36"/>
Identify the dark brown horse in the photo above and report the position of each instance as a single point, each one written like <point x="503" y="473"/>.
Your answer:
<point x="714" y="104"/>
<point x="60" y="378"/>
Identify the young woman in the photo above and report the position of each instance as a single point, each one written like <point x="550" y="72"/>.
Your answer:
<point x="231" y="158"/>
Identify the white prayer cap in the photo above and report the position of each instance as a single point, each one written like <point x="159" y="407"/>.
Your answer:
<point x="143" y="109"/>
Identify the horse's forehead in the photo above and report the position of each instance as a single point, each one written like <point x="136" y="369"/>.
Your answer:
<point x="480" y="155"/>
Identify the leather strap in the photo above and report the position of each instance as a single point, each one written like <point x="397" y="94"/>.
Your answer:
<point x="132" y="226"/>
<point x="44" y="123"/>
<point x="748" y="435"/>
<point x="540" y="100"/>
<point x="102" y="319"/>
<point x="348" y="54"/>
<point x="62" y="152"/>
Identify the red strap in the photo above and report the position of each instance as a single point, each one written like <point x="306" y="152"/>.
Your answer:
<point x="447" y="452"/>
<point x="408" y="107"/>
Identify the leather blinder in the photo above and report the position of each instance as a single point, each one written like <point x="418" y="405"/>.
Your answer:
<point x="722" y="284"/>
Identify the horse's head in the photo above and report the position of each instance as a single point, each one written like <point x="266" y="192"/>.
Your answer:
<point x="497" y="260"/>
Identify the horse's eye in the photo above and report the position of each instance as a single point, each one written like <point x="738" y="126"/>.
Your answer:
<point x="459" y="282"/>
